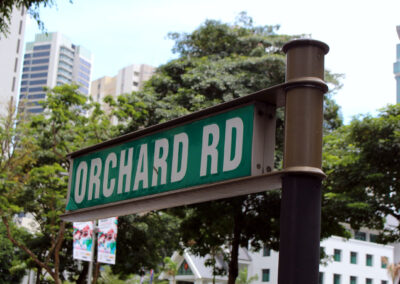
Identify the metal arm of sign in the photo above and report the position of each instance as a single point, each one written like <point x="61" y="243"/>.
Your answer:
<point x="275" y="96"/>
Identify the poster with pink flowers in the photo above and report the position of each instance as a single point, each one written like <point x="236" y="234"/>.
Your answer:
<point x="82" y="237"/>
<point x="107" y="240"/>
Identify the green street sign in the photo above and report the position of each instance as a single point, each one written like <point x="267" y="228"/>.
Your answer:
<point x="216" y="148"/>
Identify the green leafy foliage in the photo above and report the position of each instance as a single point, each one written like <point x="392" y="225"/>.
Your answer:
<point x="361" y="161"/>
<point x="243" y="277"/>
<point x="36" y="172"/>
<point x="12" y="261"/>
<point x="145" y="240"/>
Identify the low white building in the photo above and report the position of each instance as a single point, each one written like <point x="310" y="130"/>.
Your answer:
<point x="358" y="260"/>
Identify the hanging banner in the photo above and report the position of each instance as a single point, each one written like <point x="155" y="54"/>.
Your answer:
<point x="107" y="240"/>
<point x="83" y="241"/>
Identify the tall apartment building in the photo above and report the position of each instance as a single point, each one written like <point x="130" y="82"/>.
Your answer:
<point x="396" y="68"/>
<point x="130" y="78"/>
<point x="52" y="60"/>
<point x="11" y="47"/>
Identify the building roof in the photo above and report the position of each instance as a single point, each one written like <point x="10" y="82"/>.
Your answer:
<point x="198" y="267"/>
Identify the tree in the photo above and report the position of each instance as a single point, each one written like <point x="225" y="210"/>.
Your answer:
<point x="155" y="236"/>
<point x="15" y="159"/>
<point x="35" y="173"/>
<point x="170" y="268"/>
<point x="219" y="62"/>
<point x="33" y="179"/>
<point x="361" y="161"/>
<point x="244" y="279"/>
<point x="12" y="261"/>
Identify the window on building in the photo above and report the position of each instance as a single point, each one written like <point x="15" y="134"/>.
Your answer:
<point x="337" y="255"/>
<point x="81" y="67"/>
<point x="84" y="62"/>
<point x="353" y="257"/>
<point x="321" y="278"/>
<point x="18" y="44"/>
<point x="384" y="282"/>
<point x="384" y="261"/>
<point x="13" y="85"/>
<point x="40" y="68"/>
<point x="83" y="90"/>
<point x="40" y="61"/>
<point x="368" y="281"/>
<point x="16" y="64"/>
<point x="336" y="278"/>
<point x="35" y="110"/>
<point x="265" y="275"/>
<point x="36" y="89"/>
<point x="38" y="96"/>
<point x="135" y="84"/>
<point x="38" y="82"/>
<point x="41" y="47"/>
<point x="353" y="280"/>
<point x="360" y="236"/>
<point x="368" y="260"/>
<point x="373" y="238"/>
<point x="41" y="54"/>
<point x="184" y="269"/>
<point x="266" y="251"/>
<point x="39" y="75"/>
<point x="20" y="27"/>
<point x="83" y="75"/>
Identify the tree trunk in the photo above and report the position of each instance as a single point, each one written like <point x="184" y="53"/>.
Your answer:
<point x="96" y="272"/>
<point x="30" y="253"/>
<point x="83" y="274"/>
<point x="38" y="273"/>
<point x="233" y="264"/>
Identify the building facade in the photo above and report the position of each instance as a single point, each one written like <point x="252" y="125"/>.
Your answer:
<point x="52" y="60"/>
<point x="358" y="260"/>
<point x="11" y="48"/>
<point x="129" y="79"/>
<point x="396" y="68"/>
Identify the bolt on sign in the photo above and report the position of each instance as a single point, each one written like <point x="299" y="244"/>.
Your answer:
<point x="204" y="149"/>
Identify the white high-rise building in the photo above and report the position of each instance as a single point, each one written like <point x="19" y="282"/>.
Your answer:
<point x="52" y="60"/>
<point x="129" y="79"/>
<point x="132" y="77"/>
<point x="11" y="46"/>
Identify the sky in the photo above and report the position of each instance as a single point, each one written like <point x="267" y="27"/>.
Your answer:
<point x="361" y="35"/>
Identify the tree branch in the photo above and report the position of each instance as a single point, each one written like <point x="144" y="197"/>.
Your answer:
<point x="28" y="251"/>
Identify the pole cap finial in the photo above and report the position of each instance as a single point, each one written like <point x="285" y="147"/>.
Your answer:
<point x="304" y="42"/>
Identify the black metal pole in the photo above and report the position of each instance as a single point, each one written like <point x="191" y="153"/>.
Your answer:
<point x="301" y="186"/>
<point x="300" y="230"/>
